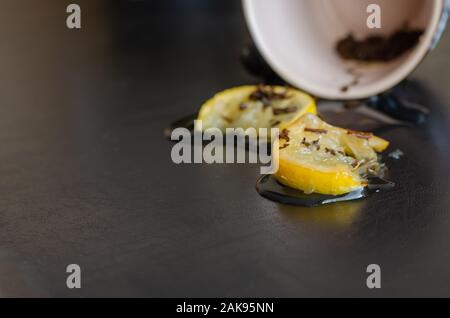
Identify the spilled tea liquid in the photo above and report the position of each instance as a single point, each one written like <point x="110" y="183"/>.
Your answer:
<point x="271" y="189"/>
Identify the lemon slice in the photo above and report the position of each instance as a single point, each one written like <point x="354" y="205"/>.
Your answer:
<point x="255" y="107"/>
<point x="316" y="157"/>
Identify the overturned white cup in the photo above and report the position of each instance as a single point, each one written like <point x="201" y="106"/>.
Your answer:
<point x="298" y="39"/>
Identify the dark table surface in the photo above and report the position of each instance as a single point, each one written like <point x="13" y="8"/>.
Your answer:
<point x="86" y="176"/>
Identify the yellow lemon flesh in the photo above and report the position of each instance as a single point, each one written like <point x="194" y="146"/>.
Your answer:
<point x="316" y="157"/>
<point x="255" y="107"/>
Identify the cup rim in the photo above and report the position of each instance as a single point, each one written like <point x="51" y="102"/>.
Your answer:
<point x="373" y="89"/>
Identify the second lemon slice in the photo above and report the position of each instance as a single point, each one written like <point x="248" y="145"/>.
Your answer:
<point x="316" y="157"/>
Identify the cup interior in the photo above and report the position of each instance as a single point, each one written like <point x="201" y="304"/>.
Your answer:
<point x="298" y="39"/>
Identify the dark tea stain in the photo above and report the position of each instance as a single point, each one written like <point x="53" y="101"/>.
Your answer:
<point x="285" y="135"/>
<point x="272" y="190"/>
<point x="275" y="123"/>
<point x="186" y="122"/>
<point x="284" y="111"/>
<point x="378" y="48"/>
<point x="360" y="134"/>
<point x="316" y="131"/>
<point x="346" y="88"/>
<point x="355" y="81"/>
<point x="267" y="94"/>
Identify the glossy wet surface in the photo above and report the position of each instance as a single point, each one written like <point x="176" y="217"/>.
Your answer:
<point x="86" y="175"/>
<point x="271" y="189"/>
